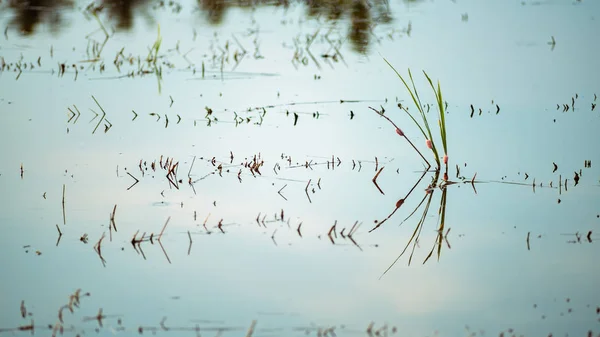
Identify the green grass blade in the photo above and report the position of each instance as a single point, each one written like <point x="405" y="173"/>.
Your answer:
<point x="440" y="104"/>
<point x="411" y="95"/>
<point x="414" y="120"/>
<point x="425" y="128"/>
<point x="442" y="118"/>
<point x="420" y="107"/>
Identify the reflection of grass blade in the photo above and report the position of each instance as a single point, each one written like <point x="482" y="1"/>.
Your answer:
<point x="103" y="115"/>
<point x="420" y="227"/>
<point x="414" y="211"/>
<point x="414" y="239"/>
<point x="155" y="47"/>
<point x="152" y="58"/>
<point x="440" y="236"/>
<point x="95" y="15"/>
<point x="415" y="235"/>
<point x="400" y="202"/>
<point x="442" y="222"/>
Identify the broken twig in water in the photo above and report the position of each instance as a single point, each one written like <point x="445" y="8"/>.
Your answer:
<point x="375" y="179"/>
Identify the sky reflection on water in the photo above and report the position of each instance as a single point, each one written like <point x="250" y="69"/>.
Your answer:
<point x="487" y="279"/>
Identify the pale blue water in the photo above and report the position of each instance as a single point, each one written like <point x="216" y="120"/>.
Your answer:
<point x="486" y="282"/>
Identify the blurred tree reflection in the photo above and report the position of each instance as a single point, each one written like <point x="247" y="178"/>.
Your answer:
<point x="362" y="15"/>
<point x="123" y="11"/>
<point x="361" y="24"/>
<point x="28" y="14"/>
<point x="215" y="10"/>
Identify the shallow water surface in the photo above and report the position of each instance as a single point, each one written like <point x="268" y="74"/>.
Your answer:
<point x="208" y="168"/>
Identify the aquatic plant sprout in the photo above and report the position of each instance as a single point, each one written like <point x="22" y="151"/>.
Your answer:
<point x="424" y="127"/>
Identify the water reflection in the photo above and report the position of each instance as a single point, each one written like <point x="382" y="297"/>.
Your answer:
<point x="361" y="15"/>
<point x="28" y="14"/>
<point x="361" y="22"/>
<point x="123" y="11"/>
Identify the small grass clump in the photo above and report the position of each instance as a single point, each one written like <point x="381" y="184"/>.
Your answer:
<point x="424" y="126"/>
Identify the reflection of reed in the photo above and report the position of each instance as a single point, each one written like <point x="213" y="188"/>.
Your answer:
<point x="68" y="314"/>
<point x="414" y="239"/>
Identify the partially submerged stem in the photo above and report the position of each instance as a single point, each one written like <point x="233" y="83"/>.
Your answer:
<point x="425" y="128"/>
<point x="402" y="134"/>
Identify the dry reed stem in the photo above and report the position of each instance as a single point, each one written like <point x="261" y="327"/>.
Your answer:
<point x="112" y="218"/>
<point x="164" y="251"/>
<point x="163" y="229"/>
<point x="399" y="203"/>
<point x="404" y="135"/>
<point x="375" y="179"/>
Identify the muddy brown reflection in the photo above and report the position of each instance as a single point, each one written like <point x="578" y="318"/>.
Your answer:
<point x="28" y="14"/>
<point x="361" y="16"/>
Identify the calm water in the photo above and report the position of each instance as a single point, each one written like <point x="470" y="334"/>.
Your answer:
<point x="288" y="150"/>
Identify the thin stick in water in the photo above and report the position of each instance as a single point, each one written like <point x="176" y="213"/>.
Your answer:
<point x="59" y="235"/>
<point x="163" y="229"/>
<point x="164" y="251"/>
<point x="63" y="206"/>
<point x="112" y="218"/>
<point x="191" y="166"/>
<point x="375" y="179"/>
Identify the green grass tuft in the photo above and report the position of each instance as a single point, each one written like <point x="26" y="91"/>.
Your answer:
<point x="424" y="126"/>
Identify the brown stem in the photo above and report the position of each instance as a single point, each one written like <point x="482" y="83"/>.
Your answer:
<point x="395" y="126"/>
